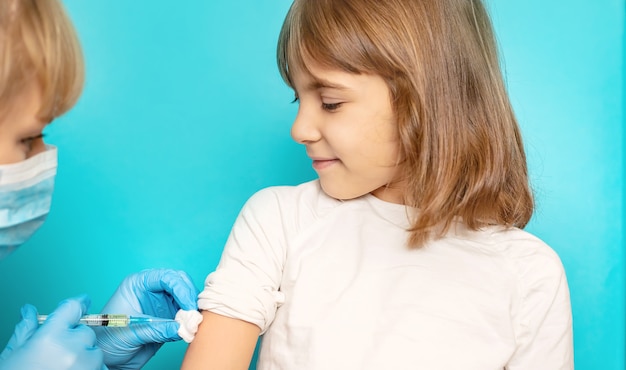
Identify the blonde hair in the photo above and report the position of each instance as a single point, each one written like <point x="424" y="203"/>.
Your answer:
<point x="38" y="44"/>
<point x="461" y="147"/>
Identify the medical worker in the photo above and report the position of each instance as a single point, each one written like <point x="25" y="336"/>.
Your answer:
<point x="41" y="77"/>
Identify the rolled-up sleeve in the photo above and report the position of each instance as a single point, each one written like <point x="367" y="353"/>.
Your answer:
<point x="246" y="283"/>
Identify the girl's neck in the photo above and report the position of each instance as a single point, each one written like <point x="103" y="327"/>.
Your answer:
<point x="391" y="193"/>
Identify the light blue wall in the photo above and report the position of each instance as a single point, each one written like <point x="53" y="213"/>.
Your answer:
<point x="564" y="64"/>
<point x="184" y="116"/>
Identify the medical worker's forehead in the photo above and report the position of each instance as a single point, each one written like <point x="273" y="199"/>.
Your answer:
<point x="23" y="108"/>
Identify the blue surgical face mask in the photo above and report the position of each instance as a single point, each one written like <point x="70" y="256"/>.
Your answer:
<point x="25" y="197"/>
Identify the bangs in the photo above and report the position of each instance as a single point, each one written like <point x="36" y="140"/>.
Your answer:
<point x="41" y="46"/>
<point x="324" y="32"/>
<point x="53" y="48"/>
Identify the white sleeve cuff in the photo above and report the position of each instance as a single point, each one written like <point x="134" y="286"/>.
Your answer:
<point x="240" y="300"/>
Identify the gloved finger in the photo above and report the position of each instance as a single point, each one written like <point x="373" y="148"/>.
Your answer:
<point x="84" y="334"/>
<point x="161" y="332"/>
<point x="89" y="355"/>
<point x="67" y="313"/>
<point x="29" y="314"/>
<point x="23" y="330"/>
<point x="176" y="283"/>
<point x="185" y="292"/>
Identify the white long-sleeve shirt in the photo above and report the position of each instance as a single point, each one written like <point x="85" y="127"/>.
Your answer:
<point x="332" y="285"/>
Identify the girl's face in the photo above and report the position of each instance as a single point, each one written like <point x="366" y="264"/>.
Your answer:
<point x="347" y="124"/>
<point x="20" y="128"/>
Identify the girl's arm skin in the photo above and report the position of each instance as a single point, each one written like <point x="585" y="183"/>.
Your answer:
<point x="222" y="343"/>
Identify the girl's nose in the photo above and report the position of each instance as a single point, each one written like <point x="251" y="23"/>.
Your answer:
<point x="305" y="128"/>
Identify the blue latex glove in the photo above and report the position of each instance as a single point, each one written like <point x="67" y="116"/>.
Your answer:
<point x="156" y="293"/>
<point x="60" y="343"/>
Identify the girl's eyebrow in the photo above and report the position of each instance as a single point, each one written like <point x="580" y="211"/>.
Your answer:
<point x="320" y="83"/>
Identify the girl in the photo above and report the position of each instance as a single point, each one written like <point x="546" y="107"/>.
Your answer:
<point x="407" y="252"/>
<point x="41" y="78"/>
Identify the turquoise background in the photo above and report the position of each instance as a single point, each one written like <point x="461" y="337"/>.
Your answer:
<point x="184" y="116"/>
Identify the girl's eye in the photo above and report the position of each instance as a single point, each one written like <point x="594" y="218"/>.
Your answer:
<point x="330" y="107"/>
<point x="295" y="99"/>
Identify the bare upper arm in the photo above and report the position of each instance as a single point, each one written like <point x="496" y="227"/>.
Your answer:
<point x="221" y="343"/>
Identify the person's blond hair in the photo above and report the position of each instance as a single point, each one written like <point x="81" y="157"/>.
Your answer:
<point x="461" y="147"/>
<point x="38" y="44"/>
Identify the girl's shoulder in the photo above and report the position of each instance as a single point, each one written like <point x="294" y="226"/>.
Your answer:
<point x="308" y="195"/>
<point x="524" y="252"/>
<point x="289" y="208"/>
<point x="518" y="243"/>
<point x="285" y="211"/>
<point x="500" y="240"/>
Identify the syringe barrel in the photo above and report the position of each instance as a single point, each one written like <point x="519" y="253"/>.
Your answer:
<point x="103" y="319"/>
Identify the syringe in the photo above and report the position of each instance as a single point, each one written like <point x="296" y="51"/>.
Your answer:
<point x="113" y="320"/>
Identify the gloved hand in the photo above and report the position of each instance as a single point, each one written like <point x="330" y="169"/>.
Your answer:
<point x="60" y="343"/>
<point x="156" y="293"/>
